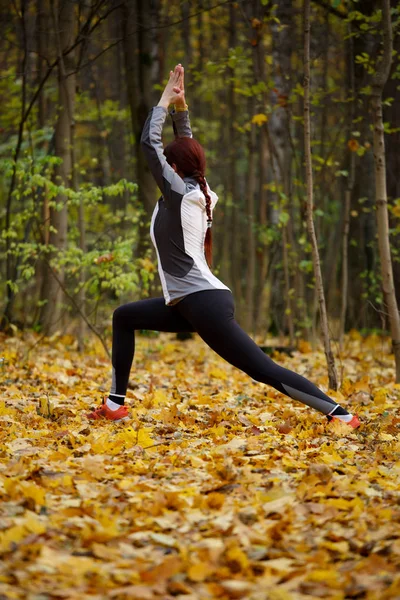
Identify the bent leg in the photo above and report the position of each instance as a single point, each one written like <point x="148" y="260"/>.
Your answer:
<point x="144" y="314"/>
<point x="212" y="315"/>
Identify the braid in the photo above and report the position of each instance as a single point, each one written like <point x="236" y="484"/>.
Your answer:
<point x="208" y="239"/>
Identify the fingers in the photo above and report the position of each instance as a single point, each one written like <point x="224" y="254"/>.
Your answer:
<point x="176" y="77"/>
<point x="178" y="71"/>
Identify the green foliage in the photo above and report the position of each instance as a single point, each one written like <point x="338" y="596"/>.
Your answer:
<point x="108" y="266"/>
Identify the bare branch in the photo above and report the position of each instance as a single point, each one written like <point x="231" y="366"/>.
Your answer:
<point x="162" y="26"/>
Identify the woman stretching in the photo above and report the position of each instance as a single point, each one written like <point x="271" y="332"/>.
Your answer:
<point x="194" y="299"/>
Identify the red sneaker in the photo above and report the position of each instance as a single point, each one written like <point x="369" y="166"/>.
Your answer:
<point x="354" y="423"/>
<point x="103" y="412"/>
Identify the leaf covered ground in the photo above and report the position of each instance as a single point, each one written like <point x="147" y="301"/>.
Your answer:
<point x="219" y="487"/>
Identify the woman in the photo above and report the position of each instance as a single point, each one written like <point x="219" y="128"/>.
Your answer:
<point x="194" y="299"/>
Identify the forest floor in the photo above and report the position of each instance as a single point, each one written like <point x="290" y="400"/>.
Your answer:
<point x="219" y="487"/>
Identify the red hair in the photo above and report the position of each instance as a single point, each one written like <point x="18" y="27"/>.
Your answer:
<point x="188" y="156"/>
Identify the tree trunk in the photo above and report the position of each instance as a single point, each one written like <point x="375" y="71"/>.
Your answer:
<point x="282" y="44"/>
<point x="251" y="246"/>
<point x="391" y="114"/>
<point x="333" y="381"/>
<point x="139" y="66"/>
<point x="41" y="65"/>
<point x="117" y="136"/>
<point x="64" y="28"/>
<point x="263" y="252"/>
<point x="379" y="81"/>
<point x="347" y="201"/>
<point x="233" y="251"/>
<point x="11" y="263"/>
<point x="41" y="27"/>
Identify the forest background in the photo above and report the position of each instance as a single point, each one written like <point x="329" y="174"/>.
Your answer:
<point x="219" y="487"/>
<point x="77" y="81"/>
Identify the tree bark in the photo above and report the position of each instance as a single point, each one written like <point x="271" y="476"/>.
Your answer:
<point x="347" y="200"/>
<point x="380" y="78"/>
<point x="235" y="229"/>
<point x="333" y="381"/>
<point x="64" y="29"/>
<point x="282" y="39"/>
<point x="11" y="264"/>
<point x="227" y="255"/>
<point x="251" y="246"/>
<point x="140" y="61"/>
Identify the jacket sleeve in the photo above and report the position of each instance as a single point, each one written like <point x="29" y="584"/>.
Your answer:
<point x="181" y="123"/>
<point x="171" y="185"/>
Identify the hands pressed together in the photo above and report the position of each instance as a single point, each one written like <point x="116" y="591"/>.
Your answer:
<point x="174" y="92"/>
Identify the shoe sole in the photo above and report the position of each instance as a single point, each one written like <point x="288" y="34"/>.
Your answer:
<point x="111" y="420"/>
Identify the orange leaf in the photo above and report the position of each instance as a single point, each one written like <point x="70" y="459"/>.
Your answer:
<point x="353" y="145"/>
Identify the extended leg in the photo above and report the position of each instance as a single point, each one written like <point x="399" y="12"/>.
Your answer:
<point x="212" y="315"/>
<point x="144" y="314"/>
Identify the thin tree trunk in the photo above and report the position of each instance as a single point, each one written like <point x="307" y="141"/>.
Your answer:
<point x="11" y="269"/>
<point x="379" y="81"/>
<point x="333" y="381"/>
<point x="347" y="203"/>
<point x="263" y="252"/>
<point x="117" y="136"/>
<point x="288" y="294"/>
<point x="234" y="250"/>
<point x="228" y="259"/>
<point x="41" y="21"/>
<point x="139" y="63"/>
<point x="282" y="44"/>
<point x="251" y="246"/>
<point x="41" y="48"/>
<point x="82" y="277"/>
<point x="64" y="26"/>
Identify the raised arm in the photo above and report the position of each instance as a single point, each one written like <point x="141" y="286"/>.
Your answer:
<point x="181" y="123"/>
<point x="167" y="179"/>
<point x="180" y="114"/>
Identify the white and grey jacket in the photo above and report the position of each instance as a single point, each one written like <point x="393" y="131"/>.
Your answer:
<point x="179" y="221"/>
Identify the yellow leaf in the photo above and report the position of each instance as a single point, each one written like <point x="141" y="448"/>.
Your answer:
<point x="259" y="119"/>
<point x="304" y="347"/>
<point x="11" y="536"/>
<point x="199" y="571"/>
<point x="341" y="547"/>
<point x="144" y="438"/>
<point x="344" y="504"/>
<point x="218" y="431"/>
<point x="33" y="491"/>
<point x="215" y="500"/>
<point x="323" y="576"/>
<point x="218" y="373"/>
<point x="160" y="398"/>
<point x="236" y="559"/>
<point x="380" y="395"/>
<point x="33" y="524"/>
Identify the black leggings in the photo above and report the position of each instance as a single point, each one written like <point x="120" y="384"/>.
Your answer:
<point x="211" y="314"/>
